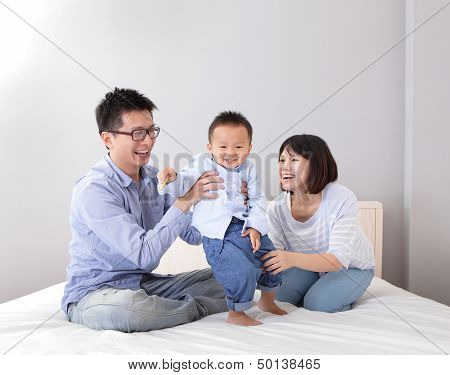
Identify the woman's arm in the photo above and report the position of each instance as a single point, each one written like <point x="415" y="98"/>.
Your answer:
<point x="282" y="259"/>
<point x="276" y="233"/>
<point x="277" y="261"/>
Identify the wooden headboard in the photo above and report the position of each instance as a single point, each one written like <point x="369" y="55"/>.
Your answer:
<point x="370" y="217"/>
<point x="182" y="257"/>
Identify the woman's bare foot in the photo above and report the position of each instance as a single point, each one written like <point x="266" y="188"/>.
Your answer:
<point x="240" y="318"/>
<point x="270" y="307"/>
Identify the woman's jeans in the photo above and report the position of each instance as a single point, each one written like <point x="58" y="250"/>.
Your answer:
<point x="333" y="292"/>
<point x="164" y="301"/>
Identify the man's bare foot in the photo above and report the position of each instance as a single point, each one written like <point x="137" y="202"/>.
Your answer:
<point x="240" y="318"/>
<point x="271" y="307"/>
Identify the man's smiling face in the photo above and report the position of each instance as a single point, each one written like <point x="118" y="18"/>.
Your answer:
<point x="127" y="154"/>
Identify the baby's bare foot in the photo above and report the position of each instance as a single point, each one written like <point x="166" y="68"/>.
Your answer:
<point x="240" y="318"/>
<point x="271" y="307"/>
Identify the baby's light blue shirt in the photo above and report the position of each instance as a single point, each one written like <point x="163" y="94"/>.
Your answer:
<point x="212" y="216"/>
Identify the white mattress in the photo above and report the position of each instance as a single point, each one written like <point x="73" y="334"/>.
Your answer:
<point x="396" y="322"/>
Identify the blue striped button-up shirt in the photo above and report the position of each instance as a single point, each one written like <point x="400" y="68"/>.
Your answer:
<point x="120" y="229"/>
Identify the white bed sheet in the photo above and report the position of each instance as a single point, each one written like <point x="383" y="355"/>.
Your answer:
<point x="395" y="322"/>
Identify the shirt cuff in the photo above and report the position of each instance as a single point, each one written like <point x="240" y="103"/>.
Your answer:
<point x="259" y="225"/>
<point x="340" y="257"/>
<point x="174" y="188"/>
<point x="176" y="219"/>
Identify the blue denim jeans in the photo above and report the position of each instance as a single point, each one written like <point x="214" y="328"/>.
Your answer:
<point x="236" y="266"/>
<point x="164" y="301"/>
<point x="333" y="292"/>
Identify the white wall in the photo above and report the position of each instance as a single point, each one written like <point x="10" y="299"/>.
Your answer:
<point x="272" y="60"/>
<point x="428" y="152"/>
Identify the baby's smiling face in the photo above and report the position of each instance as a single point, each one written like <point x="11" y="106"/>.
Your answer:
<point x="230" y="145"/>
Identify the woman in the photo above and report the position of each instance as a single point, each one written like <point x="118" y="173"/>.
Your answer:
<point x="326" y="261"/>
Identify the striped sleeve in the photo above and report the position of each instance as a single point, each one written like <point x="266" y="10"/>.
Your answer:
<point x="344" y="231"/>
<point x="100" y="207"/>
<point x="276" y="233"/>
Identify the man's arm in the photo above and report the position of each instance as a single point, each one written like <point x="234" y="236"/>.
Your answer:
<point x="100" y="207"/>
<point x="189" y="234"/>
<point x="202" y="189"/>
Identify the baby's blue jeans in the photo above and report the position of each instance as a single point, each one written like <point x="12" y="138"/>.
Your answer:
<point x="236" y="266"/>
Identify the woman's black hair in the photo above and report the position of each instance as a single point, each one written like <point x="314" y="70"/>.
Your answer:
<point x="322" y="166"/>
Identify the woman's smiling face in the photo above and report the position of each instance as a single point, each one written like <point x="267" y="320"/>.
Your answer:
<point x="293" y="171"/>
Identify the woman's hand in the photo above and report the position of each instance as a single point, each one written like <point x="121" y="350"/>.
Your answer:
<point x="277" y="261"/>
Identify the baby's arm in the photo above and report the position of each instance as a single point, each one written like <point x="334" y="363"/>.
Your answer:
<point x="255" y="238"/>
<point x="257" y="204"/>
<point x="166" y="176"/>
<point x="177" y="185"/>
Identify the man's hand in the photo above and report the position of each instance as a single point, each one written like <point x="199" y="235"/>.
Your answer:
<point x="167" y="175"/>
<point x="207" y="182"/>
<point x="255" y="238"/>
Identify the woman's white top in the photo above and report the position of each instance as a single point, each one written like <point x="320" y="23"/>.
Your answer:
<point x="333" y="228"/>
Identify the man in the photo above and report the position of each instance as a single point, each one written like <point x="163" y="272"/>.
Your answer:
<point x="121" y="227"/>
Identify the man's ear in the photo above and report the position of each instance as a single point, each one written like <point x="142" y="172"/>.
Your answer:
<point x="107" y="139"/>
<point x="250" y="147"/>
<point x="209" y="148"/>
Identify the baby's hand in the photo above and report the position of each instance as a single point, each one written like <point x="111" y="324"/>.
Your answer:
<point x="255" y="238"/>
<point x="166" y="176"/>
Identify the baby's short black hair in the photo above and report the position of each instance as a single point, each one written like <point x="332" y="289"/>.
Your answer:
<point x="232" y="119"/>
